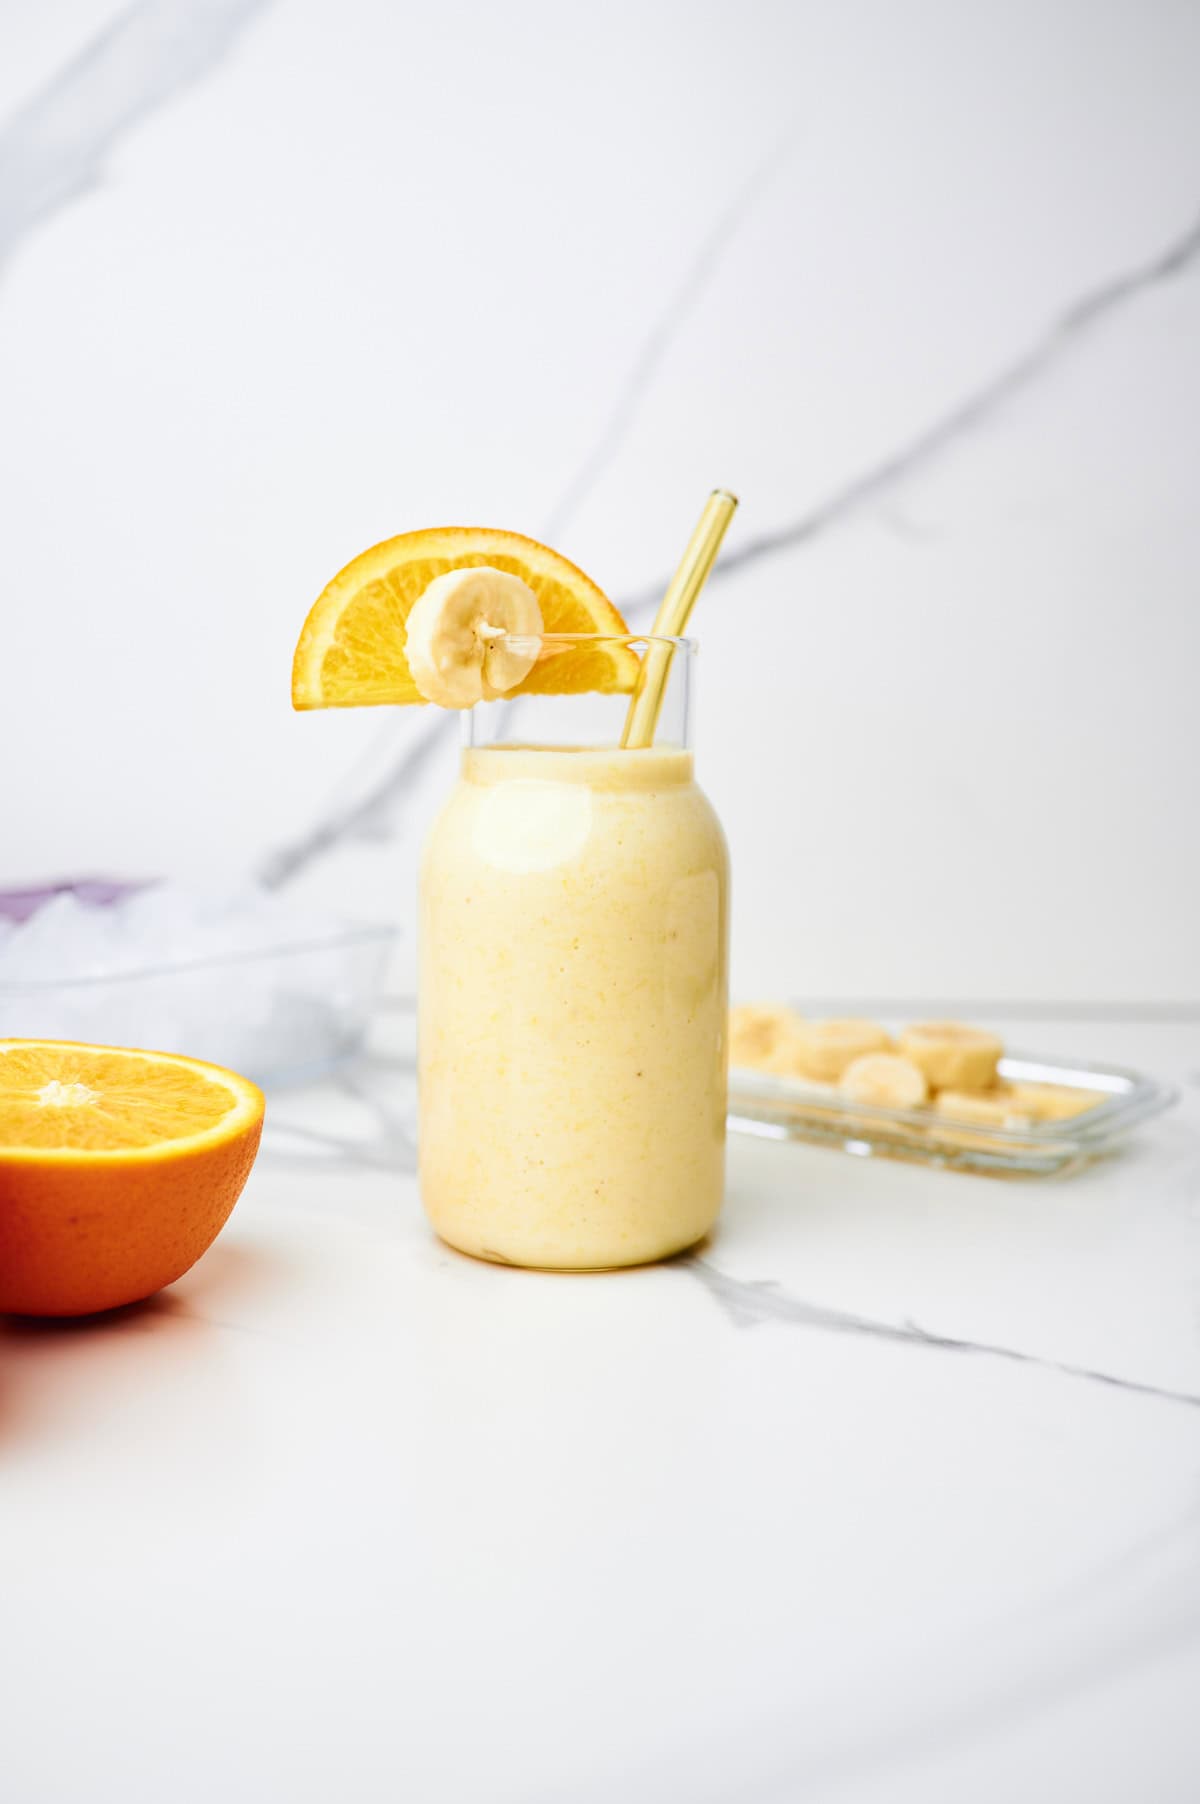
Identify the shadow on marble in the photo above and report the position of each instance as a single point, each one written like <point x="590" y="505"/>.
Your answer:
<point x="131" y="1318"/>
<point x="233" y="1272"/>
<point x="46" y="1360"/>
<point x="50" y="1371"/>
<point x="649" y="1268"/>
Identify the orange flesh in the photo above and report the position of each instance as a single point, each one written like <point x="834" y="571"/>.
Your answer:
<point x="88" y="1098"/>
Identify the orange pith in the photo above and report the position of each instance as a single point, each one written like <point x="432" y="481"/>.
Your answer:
<point x="351" y="650"/>
<point x="117" y="1170"/>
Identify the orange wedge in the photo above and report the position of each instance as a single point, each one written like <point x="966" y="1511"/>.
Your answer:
<point x="117" y="1170"/>
<point x="350" y="652"/>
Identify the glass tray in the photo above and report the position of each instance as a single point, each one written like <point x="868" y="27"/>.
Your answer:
<point x="792" y="1108"/>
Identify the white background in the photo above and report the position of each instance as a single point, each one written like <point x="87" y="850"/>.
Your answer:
<point x="336" y="272"/>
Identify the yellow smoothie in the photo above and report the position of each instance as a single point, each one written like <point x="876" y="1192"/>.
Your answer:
<point x="573" y="997"/>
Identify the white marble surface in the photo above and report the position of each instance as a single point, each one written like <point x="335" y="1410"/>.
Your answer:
<point x="919" y="281"/>
<point x="346" y="1515"/>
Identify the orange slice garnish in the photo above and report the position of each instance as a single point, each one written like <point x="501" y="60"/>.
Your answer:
<point x="350" y="653"/>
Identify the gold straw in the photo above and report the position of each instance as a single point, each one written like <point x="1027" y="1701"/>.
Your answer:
<point x="671" y="620"/>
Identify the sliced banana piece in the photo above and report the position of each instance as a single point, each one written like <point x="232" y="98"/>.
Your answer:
<point x="999" y="1106"/>
<point x="824" y="1049"/>
<point x="1055" y="1102"/>
<point x="887" y="1079"/>
<point x="952" y="1055"/>
<point x="458" y="633"/>
<point x="762" y="1036"/>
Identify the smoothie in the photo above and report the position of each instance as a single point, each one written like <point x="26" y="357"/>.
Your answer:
<point x="573" y="996"/>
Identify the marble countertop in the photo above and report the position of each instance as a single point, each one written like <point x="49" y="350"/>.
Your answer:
<point x="344" y="1514"/>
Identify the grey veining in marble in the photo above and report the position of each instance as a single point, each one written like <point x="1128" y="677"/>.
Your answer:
<point x="648" y="358"/>
<point x="56" y="146"/>
<point x="1076" y="322"/>
<point x="372" y="813"/>
<point x="749" y="1302"/>
<point x="361" y="816"/>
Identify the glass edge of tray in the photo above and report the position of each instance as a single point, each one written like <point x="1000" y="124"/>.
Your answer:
<point x="1045" y="1160"/>
<point x="778" y="1107"/>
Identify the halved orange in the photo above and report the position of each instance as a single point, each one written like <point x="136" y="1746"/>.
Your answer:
<point x="350" y="653"/>
<point x="118" y="1168"/>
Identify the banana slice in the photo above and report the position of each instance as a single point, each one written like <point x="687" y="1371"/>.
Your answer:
<point x="763" y="1037"/>
<point x="827" y="1049"/>
<point x="953" y="1056"/>
<point x="999" y="1106"/>
<point x="824" y="1049"/>
<point x="1055" y="1102"/>
<point x="458" y="631"/>
<point x="887" y="1079"/>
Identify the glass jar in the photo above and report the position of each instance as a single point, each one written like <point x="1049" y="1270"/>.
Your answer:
<point x="573" y="988"/>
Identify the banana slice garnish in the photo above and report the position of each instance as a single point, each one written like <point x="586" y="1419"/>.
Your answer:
<point x="952" y="1055"/>
<point x="458" y="636"/>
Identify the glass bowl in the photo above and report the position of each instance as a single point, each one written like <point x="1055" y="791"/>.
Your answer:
<point x="279" y="1014"/>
